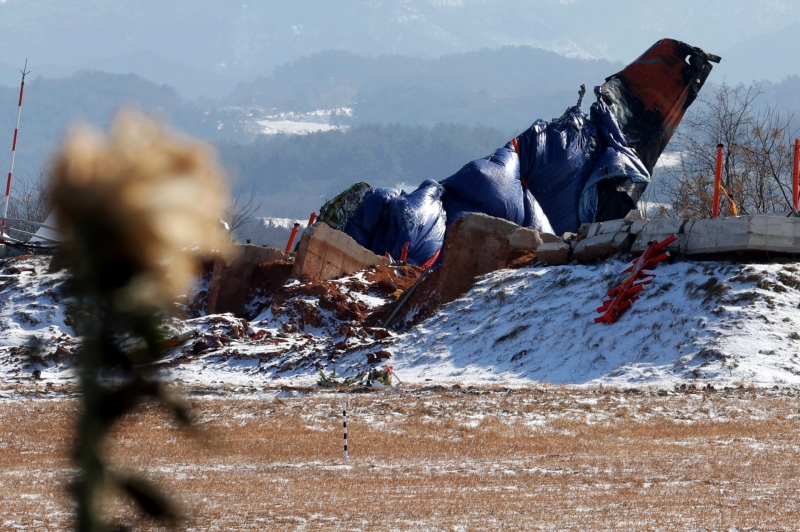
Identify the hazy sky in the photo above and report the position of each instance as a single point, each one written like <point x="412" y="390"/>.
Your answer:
<point x="207" y="46"/>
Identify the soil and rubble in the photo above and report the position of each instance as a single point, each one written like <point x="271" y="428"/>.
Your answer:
<point x="715" y="322"/>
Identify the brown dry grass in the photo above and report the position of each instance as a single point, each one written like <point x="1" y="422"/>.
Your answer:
<point x="551" y="458"/>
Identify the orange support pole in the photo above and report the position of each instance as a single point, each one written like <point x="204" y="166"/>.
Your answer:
<point x="404" y="253"/>
<point x="796" y="173"/>
<point x="717" y="182"/>
<point x="312" y="219"/>
<point x="291" y="237"/>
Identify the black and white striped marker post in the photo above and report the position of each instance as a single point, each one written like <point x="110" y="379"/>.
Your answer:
<point x="344" y="427"/>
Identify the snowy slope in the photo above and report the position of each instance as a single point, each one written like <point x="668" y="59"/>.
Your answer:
<point x="32" y="309"/>
<point x="268" y="231"/>
<point x="711" y="321"/>
<point x="29" y="304"/>
<point x="715" y="322"/>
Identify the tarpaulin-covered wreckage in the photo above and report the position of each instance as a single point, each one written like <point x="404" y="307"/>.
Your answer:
<point x="554" y="176"/>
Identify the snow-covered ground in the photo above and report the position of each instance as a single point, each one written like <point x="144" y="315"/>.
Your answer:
<point x="268" y="231"/>
<point x="269" y="122"/>
<point x="714" y="322"/>
<point x="290" y="127"/>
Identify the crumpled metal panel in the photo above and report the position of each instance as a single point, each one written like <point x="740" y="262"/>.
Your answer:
<point x="650" y="96"/>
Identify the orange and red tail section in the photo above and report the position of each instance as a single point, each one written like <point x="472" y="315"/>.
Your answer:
<point x="650" y="96"/>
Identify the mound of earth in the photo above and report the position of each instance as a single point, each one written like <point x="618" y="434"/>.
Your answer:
<point x="718" y="323"/>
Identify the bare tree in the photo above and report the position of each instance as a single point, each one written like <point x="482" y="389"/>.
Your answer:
<point x="757" y="163"/>
<point x="767" y="183"/>
<point x="29" y="200"/>
<point x="242" y="208"/>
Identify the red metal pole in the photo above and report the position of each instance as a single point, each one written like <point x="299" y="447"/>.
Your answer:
<point x="796" y="173"/>
<point x="717" y="182"/>
<point x="404" y="253"/>
<point x="291" y="237"/>
<point x="312" y="219"/>
<point x="13" y="151"/>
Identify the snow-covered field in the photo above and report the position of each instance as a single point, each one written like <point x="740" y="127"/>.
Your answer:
<point x="713" y="322"/>
<point x="273" y="232"/>
<point x="431" y="458"/>
<point x="716" y="322"/>
<point x="268" y="122"/>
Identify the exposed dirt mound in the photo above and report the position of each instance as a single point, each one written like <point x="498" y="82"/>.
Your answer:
<point x="422" y="303"/>
<point x="266" y="280"/>
<point x="521" y="258"/>
<point x="358" y="300"/>
<point x="302" y="323"/>
<point x="426" y="299"/>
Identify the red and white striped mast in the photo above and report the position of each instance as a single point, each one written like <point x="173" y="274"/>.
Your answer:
<point x="24" y="72"/>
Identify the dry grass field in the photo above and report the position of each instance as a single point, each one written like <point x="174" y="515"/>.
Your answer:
<point x="549" y="458"/>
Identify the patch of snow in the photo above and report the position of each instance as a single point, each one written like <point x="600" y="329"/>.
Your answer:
<point x="260" y="121"/>
<point x="272" y="232"/>
<point x="713" y="322"/>
<point x="537" y="325"/>
<point x="286" y="127"/>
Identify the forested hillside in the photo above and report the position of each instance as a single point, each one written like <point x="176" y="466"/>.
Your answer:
<point x="484" y="97"/>
<point x="51" y="105"/>
<point x="296" y="174"/>
<point x="506" y="88"/>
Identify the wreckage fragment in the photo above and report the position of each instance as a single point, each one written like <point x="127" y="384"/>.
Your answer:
<point x="650" y="96"/>
<point x="638" y="275"/>
<point x="325" y="254"/>
<point x="648" y="99"/>
<point x="555" y="175"/>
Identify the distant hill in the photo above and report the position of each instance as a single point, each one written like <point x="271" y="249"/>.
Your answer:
<point x="234" y="41"/>
<point x="505" y="88"/>
<point x="764" y="56"/>
<point x="51" y="105"/>
<point x="326" y="78"/>
<point x="786" y="94"/>
<point x="297" y="174"/>
<point x="189" y="81"/>
<point x="398" y="105"/>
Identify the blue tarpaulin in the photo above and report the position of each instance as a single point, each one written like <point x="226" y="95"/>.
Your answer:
<point x="388" y="218"/>
<point x="555" y="175"/>
<point x="555" y="160"/>
<point x="561" y="161"/>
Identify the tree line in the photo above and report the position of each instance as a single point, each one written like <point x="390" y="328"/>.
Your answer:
<point x="296" y="174"/>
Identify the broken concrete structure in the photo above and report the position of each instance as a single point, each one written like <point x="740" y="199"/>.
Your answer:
<point x="659" y="230"/>
<point x="325" y="253"/>
<point x="602" y="245"/>
<point x="554" y="253"/>
<point x="230" y="279"/>
<point x="760" y="234"/>
<point x="766" y="234"/>
<point x="477" y="244"/>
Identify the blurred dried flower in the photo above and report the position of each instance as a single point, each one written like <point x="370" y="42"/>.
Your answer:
<point x="131" y="204"/>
